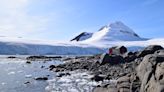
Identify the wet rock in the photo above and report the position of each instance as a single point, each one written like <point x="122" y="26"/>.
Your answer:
<point x="42" y="66"/>
<point x="51" y="67"/>
<point x="46" y="58"/>
<point x="98" y="78"/>
<point x="27" y="82"/>
<point x="41" y="78"/>
<point x="55" y="57"/>
<point x="11" y="57"/>
<point x="28" y="62"/>
<point x="36" y="57"/>
<point x="63" y="74"/>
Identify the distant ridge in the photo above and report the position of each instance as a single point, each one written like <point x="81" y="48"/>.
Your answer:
<point x="116" y="31"/>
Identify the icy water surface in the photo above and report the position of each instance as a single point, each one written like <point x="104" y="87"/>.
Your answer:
<point x="17" y="76"/>
<point x="78" y="81"/>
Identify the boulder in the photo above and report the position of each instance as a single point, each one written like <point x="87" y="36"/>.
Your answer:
<point x="128" y="83"/>
<point x="51" y="67"/>
<point x="153" y="48"/>
<point x="117" y="50"/>
<point x="148" y="64"/>
<point x="98" y="78"/>
<point x="63" y="74"/>
<point x="159" y="52"/>
<point x="151" y="72"/>
<point x="149" y="50"/>
<point x="12" y="57"/>
<point x="123" y="84"/>
<point x="111" y="59"/>
<point x="28" y="62"/>
<point x="129" y="56"/>
<point x="41" y="78"/>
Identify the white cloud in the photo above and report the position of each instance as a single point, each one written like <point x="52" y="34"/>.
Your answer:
<point x="16" y="21"/>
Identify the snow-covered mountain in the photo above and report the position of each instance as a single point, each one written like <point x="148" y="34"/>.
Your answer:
<point x="116" y="31"/>
<point x="114" y="34"/>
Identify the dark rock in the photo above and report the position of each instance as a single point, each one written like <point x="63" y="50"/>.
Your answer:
<point x="117" y="50"/>
<point x="149" y="50"/>
<point x="47" y="58"/>
<point x="28" y="62"/>
<point x="41" y="78"/>
<point x="129" y="56"/>
<point x="153" y="48"/>
<point x="98" y="78"/>
<point x="42" y="66"/>
<point x="111" y="59"/>
<point x="51" y="67"/>
<point x="58" y="69"/>
<point x="55" y="57"/>
<point x="27" y="82"/>
<point x="63" y="74"/>
<point x="11" y="57"/>
<point x="36" y="57"/>
<point x="82" y="36"/>
<point x="159" y="52"/>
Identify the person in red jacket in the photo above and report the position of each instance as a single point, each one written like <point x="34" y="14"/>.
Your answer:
<point x="110" y="51"/>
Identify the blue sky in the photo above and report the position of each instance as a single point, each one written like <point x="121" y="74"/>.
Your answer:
<point x="63" y="19"/>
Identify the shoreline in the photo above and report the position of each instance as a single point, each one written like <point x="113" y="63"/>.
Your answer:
<point x="88" y="73"/>
<point x="129" y="74"/>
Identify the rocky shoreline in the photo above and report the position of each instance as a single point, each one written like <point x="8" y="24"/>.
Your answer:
<point x="140" y="71"/>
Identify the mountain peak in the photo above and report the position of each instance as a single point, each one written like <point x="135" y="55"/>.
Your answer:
<point x="115" y="31"/>
<point x="116" y="24"/>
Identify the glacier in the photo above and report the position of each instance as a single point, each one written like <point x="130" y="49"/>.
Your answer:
<point x="114" y="34"/>
<point x="20" y="46"/>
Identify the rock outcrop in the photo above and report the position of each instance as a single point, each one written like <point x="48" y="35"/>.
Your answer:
<point x="141" y="71"/>
<point x="151" y="72"/>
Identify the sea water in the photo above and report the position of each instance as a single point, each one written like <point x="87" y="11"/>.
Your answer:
<point x="18" y="76"/>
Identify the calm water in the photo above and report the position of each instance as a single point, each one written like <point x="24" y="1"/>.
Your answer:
<point x="17" y="76"/>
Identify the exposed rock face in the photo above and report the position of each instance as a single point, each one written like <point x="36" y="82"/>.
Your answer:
<point x="112" y="59"/>
<point x="141" y="71"/>
<point x="82" y="36"/>
<point x="129" y="56"/>
<point x="159" y="52"/>
<point x="98" y="78"/>
<point x="151" y="72"/>
<point x="149" y="50"/>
